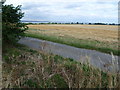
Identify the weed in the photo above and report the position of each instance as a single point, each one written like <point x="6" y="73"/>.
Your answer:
<point x="31" y="83"/>
<point x="57" y="81"/>
<point x="52" y="71"/>
<point x="93" y="45"/>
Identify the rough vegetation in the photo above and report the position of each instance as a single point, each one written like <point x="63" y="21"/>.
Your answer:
<point x="26" y="68"/>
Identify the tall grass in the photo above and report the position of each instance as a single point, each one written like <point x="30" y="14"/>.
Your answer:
<point x="93" y="45"/>
<point x="33" y="69"/>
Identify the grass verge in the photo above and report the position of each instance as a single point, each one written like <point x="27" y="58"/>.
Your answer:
<point x="79" y="43"/>
<point x="26" y="68"/>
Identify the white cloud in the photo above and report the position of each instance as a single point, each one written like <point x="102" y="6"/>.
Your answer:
<point x="9" y="1"/>
<point x="85" y="10"/>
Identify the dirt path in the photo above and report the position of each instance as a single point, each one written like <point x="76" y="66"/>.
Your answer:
<point x="97" y="59"/>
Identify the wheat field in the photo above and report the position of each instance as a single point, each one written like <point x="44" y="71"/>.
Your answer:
<point x="104" y="33"/>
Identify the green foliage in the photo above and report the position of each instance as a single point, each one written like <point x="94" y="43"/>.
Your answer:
<point x="11" y="54"/>
<point x="104" y="79"/>
<point x="57" y="81"/>
<point x="31" y="83"/>
<point x="12" y="27"/>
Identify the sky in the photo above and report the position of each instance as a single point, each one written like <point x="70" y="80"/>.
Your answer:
<point x="86" y="11"/>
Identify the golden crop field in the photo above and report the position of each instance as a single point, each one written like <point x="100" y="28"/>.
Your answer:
<point x="103" y="33"/>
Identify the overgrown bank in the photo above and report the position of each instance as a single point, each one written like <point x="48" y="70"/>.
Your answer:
<point x="25" y="68"/>
<point x="87" y="44"/>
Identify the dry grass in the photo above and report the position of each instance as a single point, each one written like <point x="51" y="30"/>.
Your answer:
<point x="28" y="68"/>
<point x="103" y="38"/>
<point x="104" y="33"/>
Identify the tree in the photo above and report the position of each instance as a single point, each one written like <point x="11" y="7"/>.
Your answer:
<point x="12" y="28"/>
<point x="77" y="23"/>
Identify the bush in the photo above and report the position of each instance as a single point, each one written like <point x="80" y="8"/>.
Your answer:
<point x="13" y="29"/>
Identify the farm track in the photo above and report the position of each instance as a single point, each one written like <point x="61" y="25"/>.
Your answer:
<point x="97" y="59"/>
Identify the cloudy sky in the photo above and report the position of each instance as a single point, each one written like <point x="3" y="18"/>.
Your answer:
<point x="69" y="10"/>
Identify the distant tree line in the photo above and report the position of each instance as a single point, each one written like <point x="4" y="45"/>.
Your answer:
<point x="77" y="23"/>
